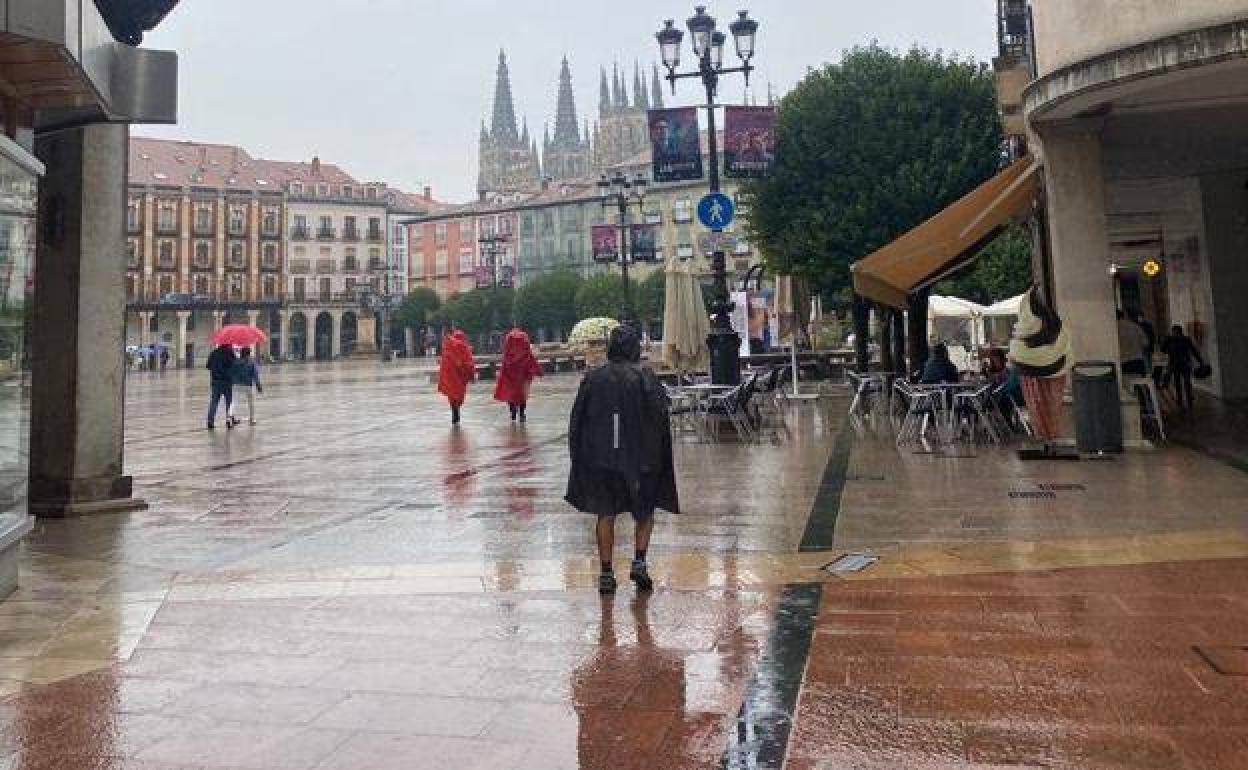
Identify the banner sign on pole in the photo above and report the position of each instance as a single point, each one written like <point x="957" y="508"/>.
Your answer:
<point x="749" y="141"/>
<point x="645" y="242"/>
<point x="606" y="243"/>
<point x="675" y="144"/>
<point x="709" y="243"/>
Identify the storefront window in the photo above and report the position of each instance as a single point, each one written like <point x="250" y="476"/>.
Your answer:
<point x="17" y="273"/>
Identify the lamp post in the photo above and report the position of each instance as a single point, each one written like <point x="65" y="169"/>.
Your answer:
<point x="491" y="274"/>
<point x="622" y="193"/>
<point x="708" y="46"/>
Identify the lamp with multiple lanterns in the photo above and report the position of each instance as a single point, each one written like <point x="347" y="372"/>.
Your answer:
<point x="622" y="193"/>
<point x="708" y="47"/>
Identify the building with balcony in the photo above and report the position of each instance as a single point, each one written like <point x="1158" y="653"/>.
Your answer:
<point x="205" y="243"/>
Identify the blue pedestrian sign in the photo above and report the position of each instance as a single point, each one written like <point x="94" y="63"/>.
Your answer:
<point x="716" y="211"/>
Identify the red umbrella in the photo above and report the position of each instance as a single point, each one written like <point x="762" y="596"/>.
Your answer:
<point x="241" y="335"/>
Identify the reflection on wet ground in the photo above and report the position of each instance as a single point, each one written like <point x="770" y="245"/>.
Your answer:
<point x="354" y="584"/>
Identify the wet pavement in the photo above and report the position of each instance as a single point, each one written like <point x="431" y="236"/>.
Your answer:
<point x="354" y="584"/>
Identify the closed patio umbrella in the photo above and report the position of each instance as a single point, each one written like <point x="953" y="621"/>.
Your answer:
<point x="685" y="323"/>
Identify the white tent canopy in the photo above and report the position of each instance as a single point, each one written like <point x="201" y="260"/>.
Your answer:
<point x="952" y="307"/>
<point x="1004" y="308"/>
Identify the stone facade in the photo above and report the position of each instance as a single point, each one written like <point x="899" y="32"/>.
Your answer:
<point x="508" y="160"/>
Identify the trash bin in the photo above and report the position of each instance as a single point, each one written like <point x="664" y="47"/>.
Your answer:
<point x="1097" y="407"/>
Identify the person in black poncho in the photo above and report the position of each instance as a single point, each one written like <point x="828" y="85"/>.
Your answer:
<point x="620" y="442"/>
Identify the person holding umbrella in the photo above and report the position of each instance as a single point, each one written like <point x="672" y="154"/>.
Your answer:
<point x="245" y="375"/>
<point x="220" y="365"/>
<point x="456" y="369"/>
<point x="519" y="369"/>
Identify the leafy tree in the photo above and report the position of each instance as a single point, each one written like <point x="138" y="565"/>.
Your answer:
<point x="1002" y="270"/>
<point x="868" y="149"/>
<point x="548" y="302"/>
<point x="651" y="296"/>
<point x="417" y="308"/>
<point x="474" y="311"/>
<point x="600" y="297"/>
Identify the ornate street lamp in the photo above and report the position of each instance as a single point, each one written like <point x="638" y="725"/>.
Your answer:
<point x="708" y="46"/>
<point x="492" y="274"/>
<point x="621" y="193"/>
<point x="129" y="19"/>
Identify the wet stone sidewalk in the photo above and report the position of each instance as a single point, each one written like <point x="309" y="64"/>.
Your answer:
<point x="352" y="583"/>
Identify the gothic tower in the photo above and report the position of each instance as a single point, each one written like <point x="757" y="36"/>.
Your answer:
<point x="508" y="161"/>
<point x="622" y="133"/>
<point x="567" y="155"/>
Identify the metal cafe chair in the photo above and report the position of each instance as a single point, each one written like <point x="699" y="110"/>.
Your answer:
<point x="732" y="406"/>
<point x="922" y="412"/>
<point x="973" y="411"/>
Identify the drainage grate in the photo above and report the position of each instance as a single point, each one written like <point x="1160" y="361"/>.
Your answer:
<point x="1032" y="494"/>
<point x="1062" y="487"/>
<point x="851" y="562"/>
<point x="489" y="515"/>
<point x="1227" y="661"/>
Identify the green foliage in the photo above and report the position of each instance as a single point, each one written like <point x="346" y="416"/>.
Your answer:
<point x="600" y="297"/>
<point x="417" y="308"/>
<point x="1002" y="270"/>
<point x="868" y="149"/>
<point x="651" y="296"/>
<point x="476" y="310"/>
<point x="548" y="302"/>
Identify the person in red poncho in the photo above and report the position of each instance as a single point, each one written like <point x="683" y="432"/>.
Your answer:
<point x="455" y="371"/>
<point x="519" y="368"/>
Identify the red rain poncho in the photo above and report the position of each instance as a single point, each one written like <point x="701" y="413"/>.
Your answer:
<point x="518" y="369"/>
<point x="457" y="368"/>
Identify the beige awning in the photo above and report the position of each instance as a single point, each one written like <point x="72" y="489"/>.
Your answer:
<point x="949" y="240"/>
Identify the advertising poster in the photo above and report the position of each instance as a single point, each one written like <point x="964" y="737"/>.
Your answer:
<point x="749" y="141"/>
<point x="645" y="243"/>
<point x="675" y="144"/>
<point x="606" y="243"/>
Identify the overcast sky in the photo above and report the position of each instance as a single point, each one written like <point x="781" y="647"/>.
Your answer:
<point x="395" y="90"/>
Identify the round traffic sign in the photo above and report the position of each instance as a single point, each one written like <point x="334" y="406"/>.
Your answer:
<point x="716" y="211"/>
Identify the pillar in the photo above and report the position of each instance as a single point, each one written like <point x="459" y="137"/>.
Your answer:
<point x="145" y="327"/>
<point x="335" y="333"/>
<point x="862" y="333"/>
<point x="916" y="323"/>
<point x="218" y="320"/>
<point x="898" y="331"/>
<point x="283" y="335"/>
<point x="253" y="317"/>
<point x="1079" y="245"/>
<point x="884" y="329"/>
<point x="179" y="355"/>
<point x="77" y="369"/>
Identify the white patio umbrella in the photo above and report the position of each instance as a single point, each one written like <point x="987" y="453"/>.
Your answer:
<point x="685" y="323"/>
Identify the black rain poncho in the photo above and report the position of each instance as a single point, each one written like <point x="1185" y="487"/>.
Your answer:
<point x="620" y="439"/>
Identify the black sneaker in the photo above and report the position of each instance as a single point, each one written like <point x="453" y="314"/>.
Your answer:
<point x="606" y="584"/>
<point x="641" y="576"/>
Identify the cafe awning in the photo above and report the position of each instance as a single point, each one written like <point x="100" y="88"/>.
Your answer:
<point x="949" y="240"/>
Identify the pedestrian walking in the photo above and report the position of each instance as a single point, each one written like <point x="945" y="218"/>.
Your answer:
<point x="620" y="442"/>
<point x="519" y="368"/>
<point x="220" y="363"/>
<point x="245" y="379"/>
<point x="164" y="359"/>
<point x="1180" y="350"/>
<point x="456" y="369"/>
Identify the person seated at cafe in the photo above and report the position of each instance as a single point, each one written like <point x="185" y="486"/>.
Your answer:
<point x="939" y="369"/>
<point x="995" y="367"/>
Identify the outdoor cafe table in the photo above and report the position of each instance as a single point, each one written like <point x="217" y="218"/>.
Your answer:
<point x="947" y="391"/>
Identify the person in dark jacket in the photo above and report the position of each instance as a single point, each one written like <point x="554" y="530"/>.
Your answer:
<point x="1180" y="349"/>
<point x="939" y="369"/>
<point x="220" y="362"/>
<point x="620" y="442"/>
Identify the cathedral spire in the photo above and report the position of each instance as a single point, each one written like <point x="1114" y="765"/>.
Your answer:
<point x="524" y="134"/>
<point x="640" y="100"/>
<point x="656" y="90"/>
<point x="619" y="96"/>
<point x="604" y="94"/>
<point x="503" y="127"/>
<point x="567" y="128"/>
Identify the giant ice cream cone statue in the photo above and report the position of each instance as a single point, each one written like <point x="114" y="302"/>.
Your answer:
<point x="1041" y="350"/>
